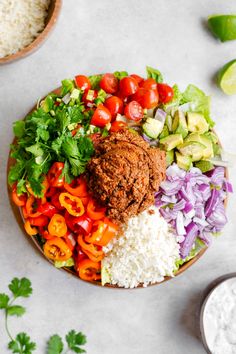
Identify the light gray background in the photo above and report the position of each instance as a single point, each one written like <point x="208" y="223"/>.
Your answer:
<point x="103" y="36"/>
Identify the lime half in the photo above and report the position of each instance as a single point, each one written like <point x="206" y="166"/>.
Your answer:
<point x="227" y="78"/>
<point x="223" y="26"/>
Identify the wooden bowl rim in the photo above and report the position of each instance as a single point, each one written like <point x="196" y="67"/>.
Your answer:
<point x="19" y="219"/>
<point x="38" y="41"/>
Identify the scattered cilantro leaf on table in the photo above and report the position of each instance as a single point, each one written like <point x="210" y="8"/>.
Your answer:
<point x="22" y="344"/>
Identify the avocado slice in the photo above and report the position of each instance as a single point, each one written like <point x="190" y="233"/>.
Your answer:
<point x="165" y="132"/>
<point x="203" y="139"/>
<point x="179" y="125"/>
<point x="169" y="157"/>
<point x="168" y="122"/>
<point x="194" y="149"/>
<point x="197" y="122"/>
<point x="171" y="141"/>
<point x="184" y="162"/>
<point x="204" y="165"/>
<point x="152" y="127"/>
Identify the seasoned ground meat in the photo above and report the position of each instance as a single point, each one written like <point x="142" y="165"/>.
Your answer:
<point x="124" y="174"/>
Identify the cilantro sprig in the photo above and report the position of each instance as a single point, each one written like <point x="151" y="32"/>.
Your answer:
<point x="22" y="343"/>
<point x="46" y="135"/>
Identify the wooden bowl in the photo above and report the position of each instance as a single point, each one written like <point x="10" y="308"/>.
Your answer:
<point x="19" y="219"/>
<point x="53" y="14"/>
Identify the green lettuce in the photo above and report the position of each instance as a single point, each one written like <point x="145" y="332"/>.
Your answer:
<point x="154" y="74"/>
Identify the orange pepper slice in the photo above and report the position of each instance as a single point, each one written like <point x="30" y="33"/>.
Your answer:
<point x="89" y="270"/>
<point x="31" y="231"/>
<point x="56" y="249"/>
<point x="19" y="200"/>
<point x="57" y="226"/>
<point x="94" y="211"/>
<point x="72" y="204"/>
<point x="92" y="256"/>
<point x="109" y="233"/>
<point x="97" y="232"/>
<point x="77" y="187"/>
<point x="93" y="249"/>
<point x="29" y="207"/>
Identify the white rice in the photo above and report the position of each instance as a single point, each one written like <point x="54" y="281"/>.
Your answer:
<point x="145" y="253"/>
<point x="21" y="21"/>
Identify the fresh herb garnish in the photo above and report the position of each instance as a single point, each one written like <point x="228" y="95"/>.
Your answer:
<point x="21" y="343"/>
<point x="45" y="136"/>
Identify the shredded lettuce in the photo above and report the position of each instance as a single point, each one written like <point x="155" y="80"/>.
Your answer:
<point x="69" y="263"/>
<point x="176" y="101"/>
<point x="199" y="102"/>
<point x="154" y="74"/>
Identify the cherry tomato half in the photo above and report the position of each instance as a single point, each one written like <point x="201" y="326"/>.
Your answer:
<point x="134" y="111"/>
<point x="128" y="86"/>
<point x="101" y="116"/>
<point x="54" y="175"/>
<point x="138" y="78"/>
<point x="117" y="126"/>
<point x="149" y="84"/>
<point x="82" y="82"/>
<point x="109" y="83"/>
<point x="147" y="98"/>
<point x="115" y="106"/>
<point x="166" y="93"/>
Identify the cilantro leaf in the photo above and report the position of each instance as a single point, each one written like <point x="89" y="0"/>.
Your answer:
<point x="19" y="128"/>
<point x="20" y="287"/>
<point x="42" y="133"/>
<point x="75" y="340"/>
<point x="63" y="120"/>
<point x="66" y="172"/>
<point x="154" y="74"/>
<point x="70" y="147"/>
<point x="4" y="300"/>
<point x="55" y="345"/>
<point x="75" y="113"/>
<point x="77" y="166"/>
<point x="35" y="150"/>
<point x="21" y="186"/>
<point x="22" y="344"/>
<point x="16" y="310"/>
<point x="16" y="172"/>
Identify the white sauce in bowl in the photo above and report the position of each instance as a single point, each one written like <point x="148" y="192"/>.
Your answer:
<point x="219" y="318"/>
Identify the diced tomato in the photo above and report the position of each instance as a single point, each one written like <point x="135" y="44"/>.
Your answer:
<point x="89" y="97"/>
<point x="134" y="111"/>
<point x="109" y="83"/>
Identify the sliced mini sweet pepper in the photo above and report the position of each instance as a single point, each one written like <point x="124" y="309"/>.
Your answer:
<point x="31" y="206"/>
<point x="94" y="211"/>
<point x="19" y="200"/>
<point x="40" y="220"/>
<point x="109" y="233"/>
<point x="57" y="226"/>
<point x="97" y="232"/>
<point x="80" y="224"/>
<point x="72" y="204"/>
<point x="55" y="176"/>
<point x="93" y="249"/>
<point x="89" y="270"/>
<point x="31" y="231"/>
<point x="77" y="187"/>
<point x="47" y="209"/>
<point x="57" y="250"/>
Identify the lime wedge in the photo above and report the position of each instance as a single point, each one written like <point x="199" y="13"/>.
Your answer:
<point x="227" y="78"/>
<point x="223" y="26"/>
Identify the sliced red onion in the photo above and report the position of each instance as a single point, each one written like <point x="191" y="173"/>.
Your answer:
<point x="171" y="188"/>
<point x="180" y="224"/>
<point x="211" y="203"/>
<point x="180" y="205"/>
<point x="228" y="187"/>
<point x="206" y="237"/>
<point x="187" y="244"/>
<point x="197" y="203"/>
<point x="160" y="116"/>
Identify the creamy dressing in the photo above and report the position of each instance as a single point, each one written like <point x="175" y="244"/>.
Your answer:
<point x="219" y="319"/>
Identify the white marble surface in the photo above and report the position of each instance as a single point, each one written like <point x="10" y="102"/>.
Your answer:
<point x="92" y="37"/>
